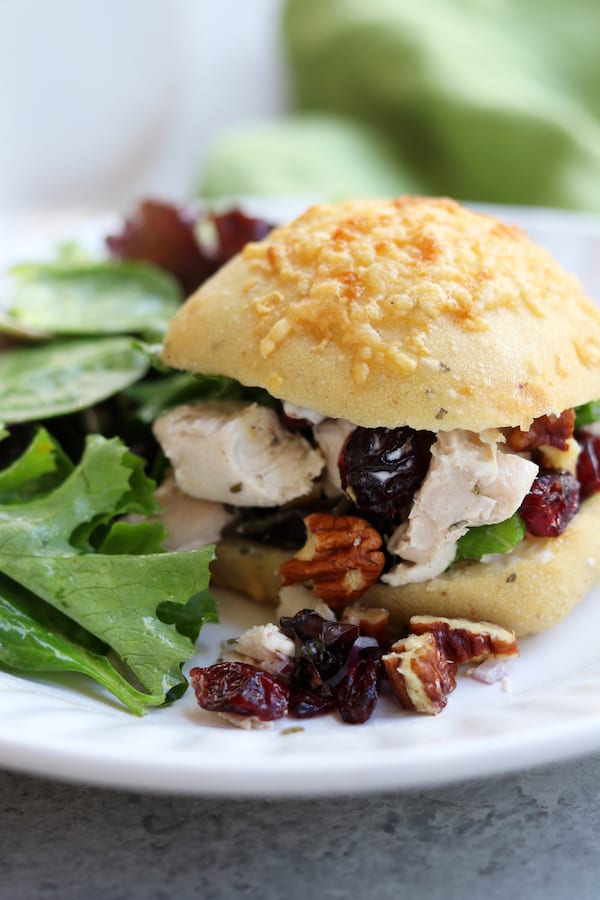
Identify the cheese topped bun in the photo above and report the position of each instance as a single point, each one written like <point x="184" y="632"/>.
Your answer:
<point x="433" y="359"/>
<point x="414" y="311"/>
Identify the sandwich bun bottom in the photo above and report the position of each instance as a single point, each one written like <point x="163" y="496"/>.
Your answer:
<point x="527" y="590"/>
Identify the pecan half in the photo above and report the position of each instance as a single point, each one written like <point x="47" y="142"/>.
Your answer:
<point x="341" y="558"/>
<point x="420" y="673"/>
<point x="464" y="641"/>
<point x="372" y="622"/>
<point x="552" y="431"/>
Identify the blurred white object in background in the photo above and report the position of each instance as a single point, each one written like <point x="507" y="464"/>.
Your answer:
<point x="103" y="100"/>
<point x="233" y="74"/>
<point x="85" y="98"/>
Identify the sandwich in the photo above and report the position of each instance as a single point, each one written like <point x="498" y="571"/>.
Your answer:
<point x="423" y="440"/>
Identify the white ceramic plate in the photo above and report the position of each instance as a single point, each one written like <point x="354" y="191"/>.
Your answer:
<point x="65" y="727"/>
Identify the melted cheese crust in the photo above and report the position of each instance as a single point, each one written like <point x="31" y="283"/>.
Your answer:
<point x="408" y="311"/>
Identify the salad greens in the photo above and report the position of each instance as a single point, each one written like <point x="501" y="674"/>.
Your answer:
<point x="83" y="588"/>
<point x="38" y="471"/>
<point x="64" y="376"/>
<point x="486" y="539"/>
<point x="152" y="398"/>
<point x="32" y="639"/>
<point x="62" y="549"/>
<point x="93" y="298"/>
<point x="587" y="414"/>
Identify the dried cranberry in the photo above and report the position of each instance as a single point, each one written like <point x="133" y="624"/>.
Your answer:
<point x="588" y="463"/>
<point x="322" y="646"/>
<point x="358" y="692"/>
<point x="315" y="663"/>
<point x="307" y="624"/>
<point x="304" y="704"/>
<point x="304" y="674"/>
<point x="381" y="468"/>
<point x="235" y="687"/>
<point x="551" y="503"/>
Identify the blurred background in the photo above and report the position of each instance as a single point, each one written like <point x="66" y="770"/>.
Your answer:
<point x="106" y="101"/>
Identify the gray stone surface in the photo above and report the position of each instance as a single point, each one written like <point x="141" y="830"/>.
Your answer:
<point x="532" y="835"/>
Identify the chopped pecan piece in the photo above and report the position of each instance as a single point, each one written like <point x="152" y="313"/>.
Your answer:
<point x="464" y="641"/>
<point x="341" y="558"/>
<point x="373" y="622"/>
<point x="562" y="460"/>
<point x="552" y="431"/>
<point x="421" y="674"/>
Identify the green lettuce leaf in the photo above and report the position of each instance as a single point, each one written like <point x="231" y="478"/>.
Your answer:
<point x="152" y="398"/>
<point x="190" y="617"/>
<point x="48" y="546"/>
<point x="66" y="376"/>
<point x="93" y="298"/>
<point x="484" y="539"/>
<point x="587" y="413"/>
<point x="15" y="329"/>
<point x="133" y="538"/>
<point x="32" y="641"/>
<point x="42" y="467"/>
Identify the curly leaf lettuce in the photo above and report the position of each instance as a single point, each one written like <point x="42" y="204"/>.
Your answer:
<point x="31" y="642"/>
<point x="42" y="467"/>
<point x="65" y="549"/>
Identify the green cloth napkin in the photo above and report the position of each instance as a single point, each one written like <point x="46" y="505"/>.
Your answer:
<point x="313" y="155"/>
<point x="490" y="100"/>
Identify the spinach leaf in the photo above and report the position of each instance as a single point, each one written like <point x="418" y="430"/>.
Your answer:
<point x="106" y="297"/>
<point x="154" y="397"/>
<point x="66" y="376"/>
<point x="484" y="539"/>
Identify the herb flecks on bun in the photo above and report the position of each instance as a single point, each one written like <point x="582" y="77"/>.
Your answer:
<point x="428" y="360"/>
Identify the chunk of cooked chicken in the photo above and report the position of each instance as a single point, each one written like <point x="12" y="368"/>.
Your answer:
<point x="236" y="453"/>
<point x="264" y="646"/>
<point x="189" y="522"/>
<point x="302" y="413"/>
<point x="471" y="481"/>
<point x="331" y="435"/>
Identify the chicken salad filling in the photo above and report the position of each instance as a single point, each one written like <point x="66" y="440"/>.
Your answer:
<point x="434" y="498"/>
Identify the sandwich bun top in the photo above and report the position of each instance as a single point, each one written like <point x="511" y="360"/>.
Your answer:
<point x="413" y="311"/>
